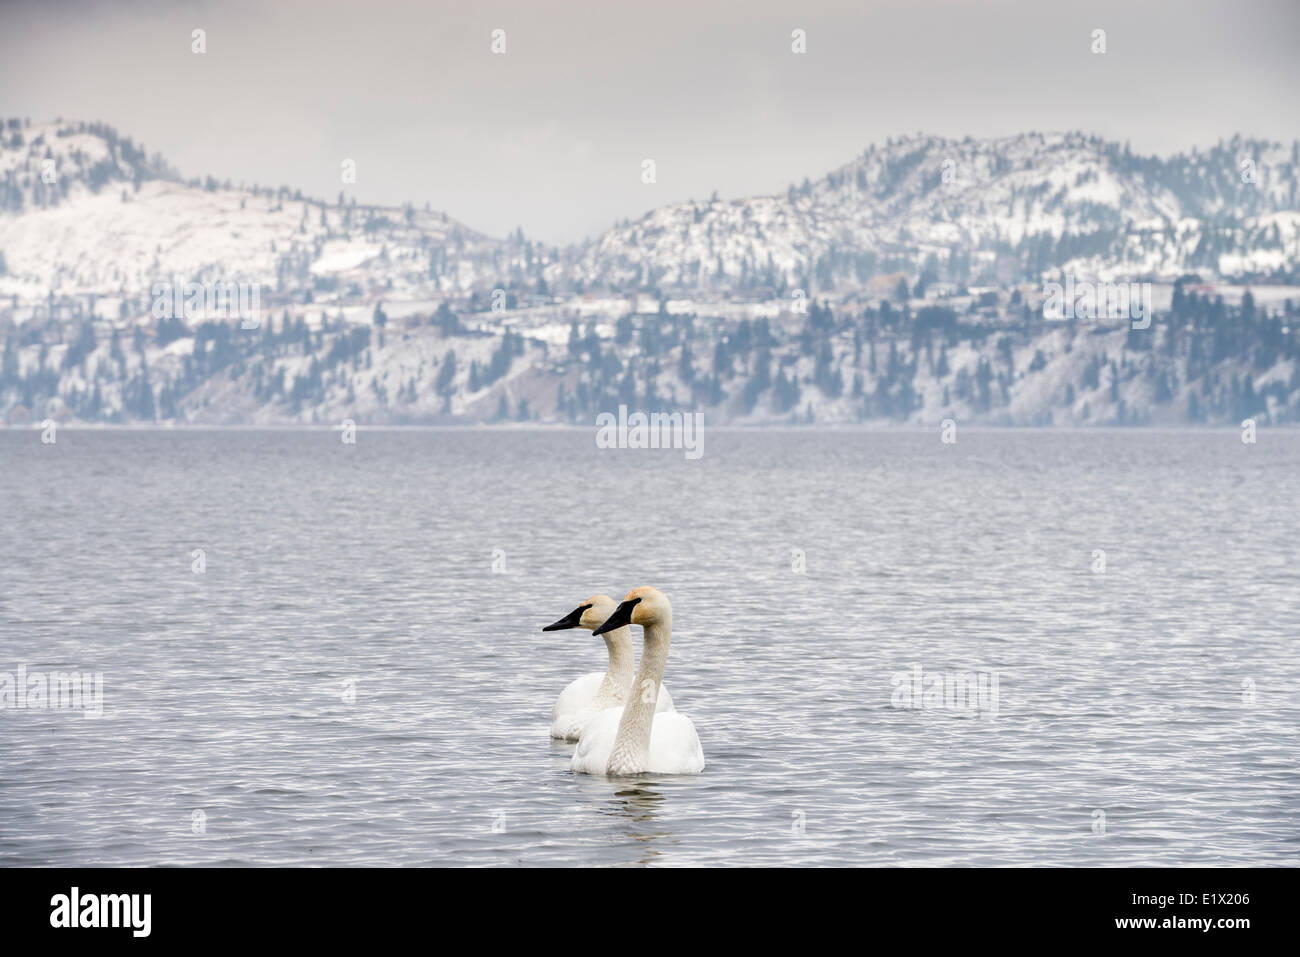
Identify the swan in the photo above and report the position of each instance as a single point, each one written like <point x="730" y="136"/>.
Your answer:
<point x="635" y="738"/>
<point x="592" y="693"/>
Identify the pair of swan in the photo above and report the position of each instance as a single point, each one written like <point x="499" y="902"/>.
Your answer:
<point x="626" y="723"/>
<point x="590" y="694"/>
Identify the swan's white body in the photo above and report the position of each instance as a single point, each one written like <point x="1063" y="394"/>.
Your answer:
<point x="640" y="737"/>
<point x="589" y="695"/>
<point x="674" y="746"/>
<point x="581" y="701"/>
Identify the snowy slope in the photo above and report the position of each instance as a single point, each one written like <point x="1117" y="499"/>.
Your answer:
<point x="1020" y="197"/>
<point x="112" y="224"/>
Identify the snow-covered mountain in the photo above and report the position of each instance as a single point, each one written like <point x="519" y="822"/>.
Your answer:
<point x="906" y="286"/>
<point x="84" y="212"/>
<point x="979" y="211"/>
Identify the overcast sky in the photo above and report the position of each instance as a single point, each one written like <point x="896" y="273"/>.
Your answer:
<point x="550" y="136"/>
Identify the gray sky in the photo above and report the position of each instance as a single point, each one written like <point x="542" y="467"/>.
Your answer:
<point x="551" y="135"/>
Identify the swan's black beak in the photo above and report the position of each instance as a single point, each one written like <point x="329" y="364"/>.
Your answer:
<point x="571" y="620"/>
<point x="622" y="616"/>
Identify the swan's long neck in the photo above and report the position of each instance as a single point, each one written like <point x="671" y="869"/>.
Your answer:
<point x="613" y="690"/>
<point x="631" y="750"/>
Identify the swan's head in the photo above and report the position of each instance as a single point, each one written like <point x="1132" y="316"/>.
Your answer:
<point x="589" y="614"/>
<point x="641" y="606"/>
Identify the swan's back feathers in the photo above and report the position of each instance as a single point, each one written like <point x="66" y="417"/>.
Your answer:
<point x="574" y="699"/>
<point x="675" y="746"/>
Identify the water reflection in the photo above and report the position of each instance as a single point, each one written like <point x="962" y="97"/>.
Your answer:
<point x="639" y="802"/>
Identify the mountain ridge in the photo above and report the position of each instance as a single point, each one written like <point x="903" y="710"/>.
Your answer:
<point x="904" y="286"/>
<point x="972" y="210"/>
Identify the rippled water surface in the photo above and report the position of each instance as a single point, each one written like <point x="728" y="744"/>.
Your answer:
<point x="1146" y="714"/>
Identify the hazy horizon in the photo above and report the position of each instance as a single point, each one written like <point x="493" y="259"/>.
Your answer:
<point x="550" y="136"/>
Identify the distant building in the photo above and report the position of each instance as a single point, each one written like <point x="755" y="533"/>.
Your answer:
<point x="941" y="290"/>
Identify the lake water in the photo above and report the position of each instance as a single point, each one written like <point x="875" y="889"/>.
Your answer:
<point x="358" y="674"/>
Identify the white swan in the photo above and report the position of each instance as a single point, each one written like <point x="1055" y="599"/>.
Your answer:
<point x="635" y="739"/>
<point x="587" y="696"/>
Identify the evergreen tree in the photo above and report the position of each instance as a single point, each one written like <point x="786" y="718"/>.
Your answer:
<point x="447" y="373"/>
